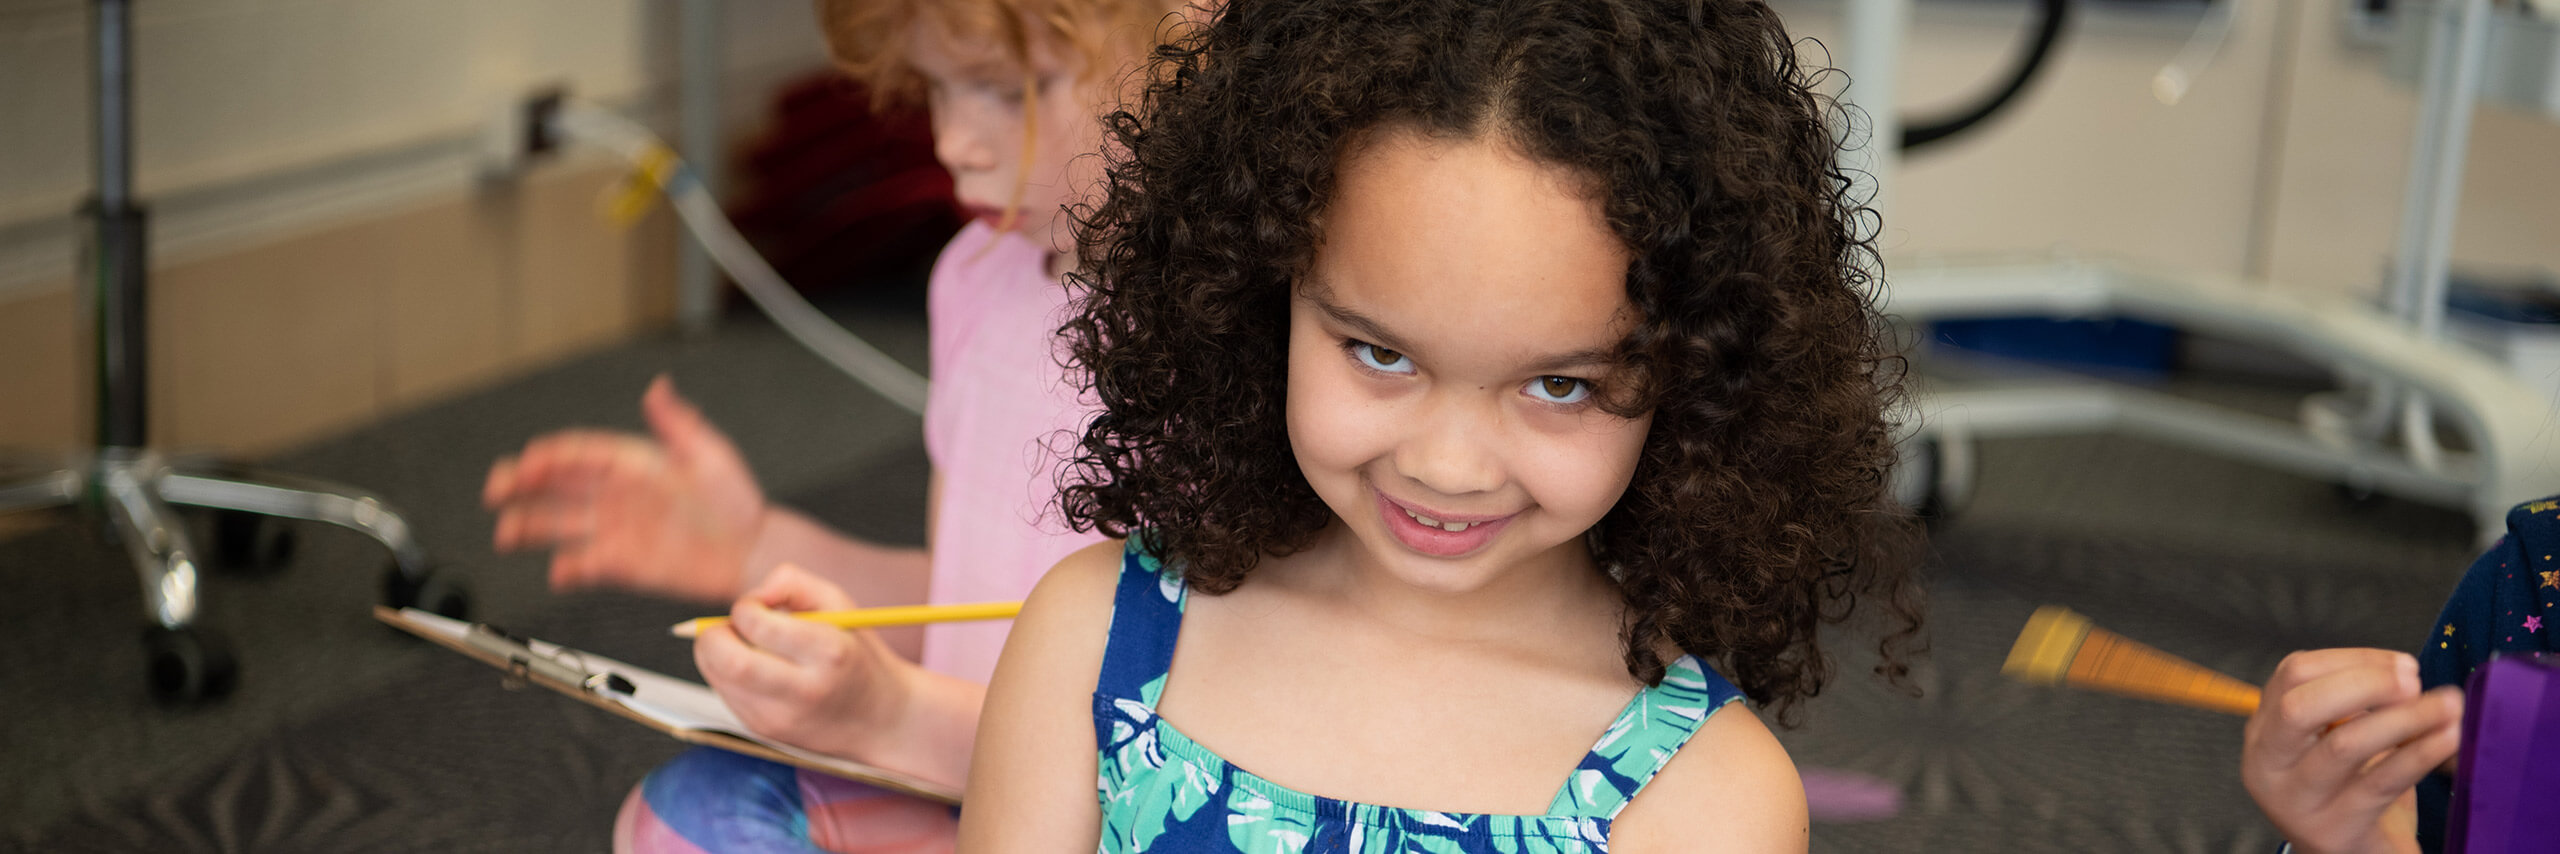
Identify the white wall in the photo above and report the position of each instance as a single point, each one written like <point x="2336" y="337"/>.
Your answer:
<point x="2286" y="166"/>
<point x="258" y="117"/>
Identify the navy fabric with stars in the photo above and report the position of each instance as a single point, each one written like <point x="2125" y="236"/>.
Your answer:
<point x="2504" y="604"/>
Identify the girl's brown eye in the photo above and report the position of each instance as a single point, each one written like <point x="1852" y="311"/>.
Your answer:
<point x="1380" y="359"/>
<point x="1559" y="390"/>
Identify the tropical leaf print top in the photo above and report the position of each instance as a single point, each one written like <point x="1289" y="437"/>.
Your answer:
<point x="1161" y="791"/>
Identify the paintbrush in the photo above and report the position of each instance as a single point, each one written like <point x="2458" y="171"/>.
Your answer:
<point x="2059" y="647"/>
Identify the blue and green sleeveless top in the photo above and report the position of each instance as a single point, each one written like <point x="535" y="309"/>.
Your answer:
<point x="1161" y="791"/>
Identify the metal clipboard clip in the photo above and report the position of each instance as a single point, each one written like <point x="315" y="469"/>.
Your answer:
<point x="563" y="667"/>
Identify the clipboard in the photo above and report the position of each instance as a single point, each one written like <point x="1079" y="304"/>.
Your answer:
<point x="686" y="710"/>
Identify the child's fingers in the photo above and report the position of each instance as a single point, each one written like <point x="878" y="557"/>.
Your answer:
<point x="679" y="426"/>
<point x="796" y="640"/>
<point x="574" y="568"/>
<point x="2350" y="749"/>
<point x="545" y="523"/>
<point x="2309" y="708"/>
<point x="575" y="459"/>
<point x="2291" y="720"/>
<point x="500" y="483"/>
<point x="2308" y="665"/>
<point x="2439" y="714"/>
<point x="790" y="588"/>
<point x="739" y="670"/>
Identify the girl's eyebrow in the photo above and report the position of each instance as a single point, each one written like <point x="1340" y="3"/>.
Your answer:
<point x="1584" y="357"/>
<point x="1369" y="331"/>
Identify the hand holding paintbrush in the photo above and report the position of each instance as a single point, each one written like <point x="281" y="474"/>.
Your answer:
<point x="2331" y="756"/>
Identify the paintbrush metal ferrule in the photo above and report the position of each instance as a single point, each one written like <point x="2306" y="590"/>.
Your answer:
<point x="2046" y="646"/>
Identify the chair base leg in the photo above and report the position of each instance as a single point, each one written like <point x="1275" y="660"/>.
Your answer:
<point x="136" y="491"/>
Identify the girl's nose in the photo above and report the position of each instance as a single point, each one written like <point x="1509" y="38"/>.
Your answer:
<point x="963" y="139"/>
<point x="1452" y="448"/>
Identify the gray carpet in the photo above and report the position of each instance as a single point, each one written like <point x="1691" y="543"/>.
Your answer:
<point x="345" y="736"/>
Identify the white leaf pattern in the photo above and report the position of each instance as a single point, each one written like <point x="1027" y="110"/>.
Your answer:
<point x="1135" y="711"/>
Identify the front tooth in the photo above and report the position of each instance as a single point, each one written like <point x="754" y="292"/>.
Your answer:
<point x="1426" y="520"/>
<point x="1453" y="527"/>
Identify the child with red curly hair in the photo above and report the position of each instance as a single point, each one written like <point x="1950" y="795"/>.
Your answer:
<point x="1015" y="89"/>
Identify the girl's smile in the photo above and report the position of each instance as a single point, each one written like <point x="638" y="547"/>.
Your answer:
<point x="1435" y="533"/>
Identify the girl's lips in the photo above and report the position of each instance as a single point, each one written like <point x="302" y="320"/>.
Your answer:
<point x="990" y="213"/>
<point x="1434" y="541"/>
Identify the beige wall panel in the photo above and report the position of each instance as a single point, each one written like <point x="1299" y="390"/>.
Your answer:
<point x="256" y="350"/>
<point x="2087" y="158"/>
<point x="44" y="380"/>
<point x="574" y="283"/>
<point x="446" y="293"/>
<point x="2346" y="156"/>
<point x="2511" y="192"/>
<point x="2346" y="162"/>
<point x="653" y="268"/>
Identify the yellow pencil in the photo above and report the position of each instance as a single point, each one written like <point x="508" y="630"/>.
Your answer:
<point x="874" y="618"/>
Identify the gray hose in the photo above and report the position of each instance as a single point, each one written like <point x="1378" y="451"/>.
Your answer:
<point x="711" y="229"/>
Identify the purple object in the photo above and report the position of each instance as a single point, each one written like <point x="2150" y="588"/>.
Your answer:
<point x="1841" y="796"/>
<point x="2506" y="793"/>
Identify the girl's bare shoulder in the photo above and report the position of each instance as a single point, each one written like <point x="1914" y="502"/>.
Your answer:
<point x="1732" y="783"/>
<point x="1073" y="600"/>
<point x="1034" y="756"/>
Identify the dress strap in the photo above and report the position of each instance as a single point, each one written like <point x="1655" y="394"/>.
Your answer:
<point x="1146" y="619"/>
<point x="1646" y="735"/>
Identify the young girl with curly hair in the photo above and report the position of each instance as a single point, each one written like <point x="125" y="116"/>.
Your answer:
<point x="1491" y="394"/>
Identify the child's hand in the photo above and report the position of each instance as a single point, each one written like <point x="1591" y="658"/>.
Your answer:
<point x="677" y="515"/>
<point x="2337" y="746"/>
<point x="810" y="684"/>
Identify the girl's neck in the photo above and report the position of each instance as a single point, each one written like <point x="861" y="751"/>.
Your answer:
<point x="1527" y="599"/>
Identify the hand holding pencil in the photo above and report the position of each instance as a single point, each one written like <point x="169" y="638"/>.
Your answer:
<point x="806" y="683"/>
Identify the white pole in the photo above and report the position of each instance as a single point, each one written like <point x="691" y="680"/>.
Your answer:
<point x="698" y="139"/>
<point x="1875" y="30"/>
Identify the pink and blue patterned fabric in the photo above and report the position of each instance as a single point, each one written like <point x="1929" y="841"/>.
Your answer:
<point x="1160" y="791"/>
<point x="712" y="801"/>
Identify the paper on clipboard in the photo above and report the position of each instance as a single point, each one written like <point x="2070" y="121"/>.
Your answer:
<point x="687" y="710"/>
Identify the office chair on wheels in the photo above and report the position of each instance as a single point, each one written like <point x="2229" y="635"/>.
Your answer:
<point x="135" y="487"/>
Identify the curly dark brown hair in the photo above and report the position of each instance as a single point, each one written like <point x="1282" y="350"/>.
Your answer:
<point x="1759" y="509"/>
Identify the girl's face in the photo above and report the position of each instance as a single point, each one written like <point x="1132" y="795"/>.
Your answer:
<point x="977" y="96"/>
<point x="1444" y="354"/>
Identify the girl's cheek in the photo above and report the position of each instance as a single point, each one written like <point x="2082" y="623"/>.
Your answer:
<point x="1335" y="427"/>
<point x="1593" y="472"/>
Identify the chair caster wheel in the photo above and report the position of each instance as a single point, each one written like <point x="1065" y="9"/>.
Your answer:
<point x="251" y="543"/>
<point x="188" y="664"/>
<point x="431" y="591"/>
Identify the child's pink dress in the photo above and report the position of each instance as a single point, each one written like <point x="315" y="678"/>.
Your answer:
<point x="1000" y="404"/>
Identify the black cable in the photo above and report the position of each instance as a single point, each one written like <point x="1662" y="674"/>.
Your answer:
<point x="2052" y="16"/>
